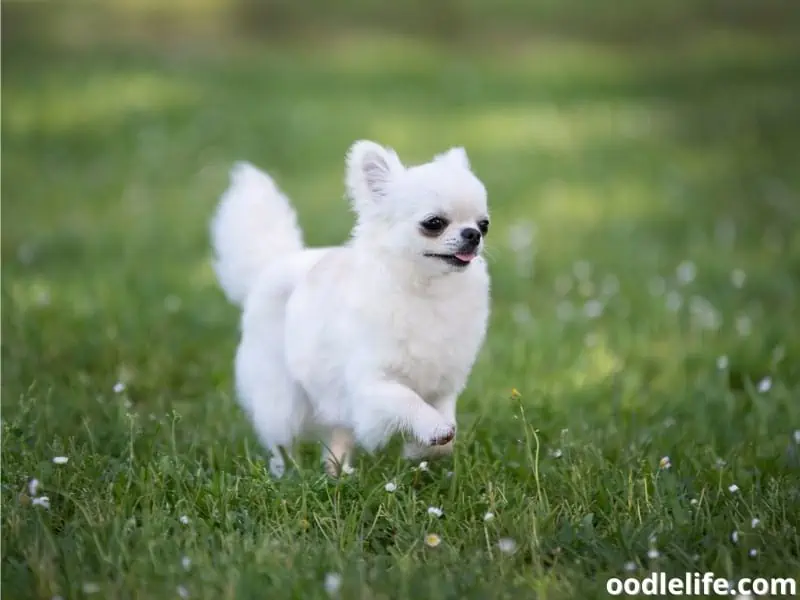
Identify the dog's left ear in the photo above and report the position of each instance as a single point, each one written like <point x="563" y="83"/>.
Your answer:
<point x="456" y="156"/>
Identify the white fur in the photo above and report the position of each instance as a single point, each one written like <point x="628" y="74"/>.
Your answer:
<point x="355" y="343"/>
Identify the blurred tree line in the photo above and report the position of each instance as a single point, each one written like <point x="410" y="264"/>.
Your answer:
<point x="622" y="20"/>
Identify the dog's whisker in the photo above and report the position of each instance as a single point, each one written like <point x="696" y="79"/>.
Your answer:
<point x="488" y="255"/>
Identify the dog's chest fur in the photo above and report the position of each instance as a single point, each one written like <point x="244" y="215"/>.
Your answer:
<point x="435" y="336"/>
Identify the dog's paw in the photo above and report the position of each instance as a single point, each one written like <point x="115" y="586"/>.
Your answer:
<point x="416" y="451"/>
<point x="277" y="467"/>
<point x="441" y="435"/>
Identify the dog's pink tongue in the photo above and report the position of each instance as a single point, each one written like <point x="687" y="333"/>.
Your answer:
<point x="464" y="256"/>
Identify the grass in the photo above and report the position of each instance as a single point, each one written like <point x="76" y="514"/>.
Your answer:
<point x="627" y="178"/>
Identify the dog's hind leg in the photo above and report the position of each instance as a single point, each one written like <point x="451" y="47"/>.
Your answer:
<point x="278" y="418"/>
<point x="338" y="451"/>
<point x="277" y="407"/>
<point x="277" y="460"/>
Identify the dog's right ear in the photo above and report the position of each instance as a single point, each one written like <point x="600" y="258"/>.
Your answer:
<point x="370" y="169"/>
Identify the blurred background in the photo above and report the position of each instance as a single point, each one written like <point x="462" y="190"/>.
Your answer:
<point x="643" y="166"/>
<point x="650" y="141"/>
<point x="641" y="134"/>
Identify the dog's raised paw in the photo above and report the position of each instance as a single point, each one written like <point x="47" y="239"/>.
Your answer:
<point x="443" y="436"/>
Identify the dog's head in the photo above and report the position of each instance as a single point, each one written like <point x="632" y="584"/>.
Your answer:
<point x="434" y="214"/>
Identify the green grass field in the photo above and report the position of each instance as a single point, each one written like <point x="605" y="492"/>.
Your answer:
<point x="645" y="256"/>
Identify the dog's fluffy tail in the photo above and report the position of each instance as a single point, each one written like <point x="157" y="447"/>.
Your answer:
<point x="254" y="225"/>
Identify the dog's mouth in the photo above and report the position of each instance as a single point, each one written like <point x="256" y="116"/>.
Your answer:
<point x="459" y="259"/>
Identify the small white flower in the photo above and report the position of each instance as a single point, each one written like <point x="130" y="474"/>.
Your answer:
<point x="432" y="540"/>
<point x="582" y="269"/>
<point x="735" y="537"/>
<point x="489" y="516"/>
<point x="719" y="463"/>
<point x="744" y="326"/>
<point x="722" y="363"/>
<point x="669" y="422"/>
<point x="693" y="502"/>
<point x="390" y="487"/>
<point x="90" y="587"/>
<point x="704" y="313"/>
<point x="435" y="511"/>
<point x="184" y="519"/>
<point x="733" y="488"/>
<point x="333" y="581"/>
<point x="665" y="463"/>
<point x="42" y="501"/>
<point x="60" y="460"/>
<point x="33" y="487"/>
<point x="610" y="285"/>
<point x="765" y="385"/>
<point x="778" y="354"/>
<point x="753" y="553"/>
<point x="797" y="436"/>
<point x="674" y="301"/>
<point x="423" y="466"/>
<point x="738" y="278"/>
<point x="172" y="303"/>
<point x="630" y="566"/>
<point x="563" y="285"/>
<point x="119" y="387"/>
<point x="593" y="309"/>
<point x="556" y="453"/>
<point x="507" y="545"/>
<point x="26" y="253"/>
<point x="182" y="591"/>
<point x="348" y="469"/>
<point x="755" y="522"/>
<point x="43" y="298"/>
<point x="653" y="554"/>
<point x="449" y="474"/>
<point x="186" y="563"/>
<point x="686" y="272"/>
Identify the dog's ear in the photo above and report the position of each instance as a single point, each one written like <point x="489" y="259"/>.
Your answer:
<point x="456" y="156"/>
<point x="370" y="168"/>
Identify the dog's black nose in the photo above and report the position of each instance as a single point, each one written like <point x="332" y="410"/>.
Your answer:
<point x="471" y="235"/>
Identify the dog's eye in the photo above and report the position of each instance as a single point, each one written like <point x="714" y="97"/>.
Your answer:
<point x="434" y="224"/>
<point x="483" y="226"/>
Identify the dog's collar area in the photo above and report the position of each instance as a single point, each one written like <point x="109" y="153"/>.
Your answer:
<point x="450" y="259"/>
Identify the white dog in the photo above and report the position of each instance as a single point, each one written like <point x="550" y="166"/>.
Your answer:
<point x="355" y="343"/>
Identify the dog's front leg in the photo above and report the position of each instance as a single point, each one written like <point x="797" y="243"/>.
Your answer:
<point x="386" y="407"/>
<point x="413" y="450"/>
